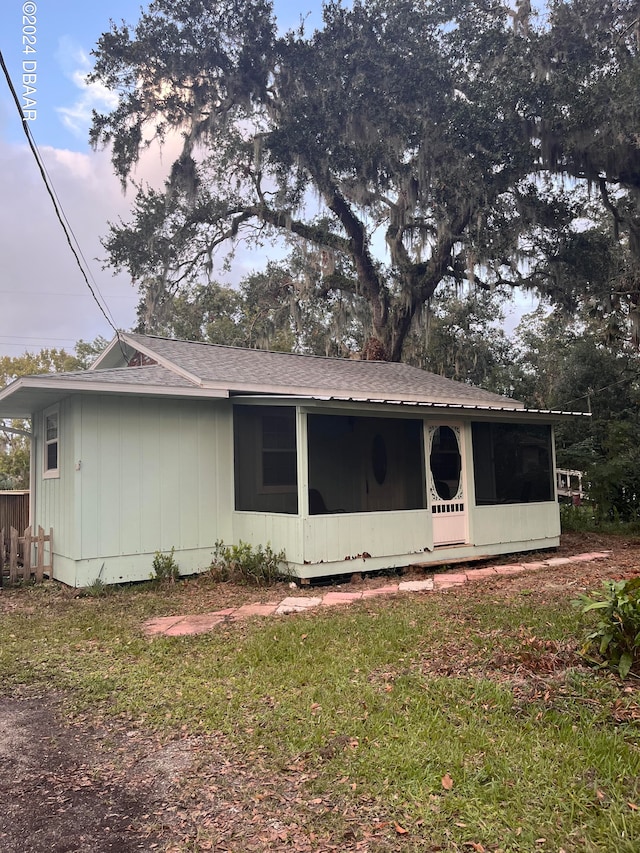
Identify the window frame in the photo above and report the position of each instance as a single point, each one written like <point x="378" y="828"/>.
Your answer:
<point x="263" y="451"/>
<point x="47" y="472"/>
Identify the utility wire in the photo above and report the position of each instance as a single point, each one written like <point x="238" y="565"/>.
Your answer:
<point x="599" y="390"/>
<point x="68" y="231"/>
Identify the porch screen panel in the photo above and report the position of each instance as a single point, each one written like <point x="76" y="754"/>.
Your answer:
<point x="512" y="463"/>
<point x="364" y="464"/>
<point x="265" y="467"/>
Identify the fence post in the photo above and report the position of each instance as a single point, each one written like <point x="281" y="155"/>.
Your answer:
<point x="1" y="555"/>
<point x="13" y="555"/>
<point x="40" y="564"/>
<point x="26" y="556"/>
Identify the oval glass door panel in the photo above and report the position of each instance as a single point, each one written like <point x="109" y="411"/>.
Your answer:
<point x="446" y="463"/>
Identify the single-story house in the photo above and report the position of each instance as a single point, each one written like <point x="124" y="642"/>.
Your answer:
<point x="345" y="465"/>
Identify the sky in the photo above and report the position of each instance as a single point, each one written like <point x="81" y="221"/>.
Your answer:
<point x="44" y="301"/>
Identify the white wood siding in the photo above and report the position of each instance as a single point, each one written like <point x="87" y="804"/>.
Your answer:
<point x="55" y="497"/>
<point x="148" y="475"/>
<point x="520" y="523"/>
<point x="344" y="536"/>
<point x="136" y="476"/>
<point x="281" y="531"/>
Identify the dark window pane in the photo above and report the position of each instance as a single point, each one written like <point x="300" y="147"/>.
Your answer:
<point x="52" y="456"/>
<point x="512" y="463"/>
<point x="278" y="432"/>
<point x="445" y="462"/>
<point x="279" y="468"/>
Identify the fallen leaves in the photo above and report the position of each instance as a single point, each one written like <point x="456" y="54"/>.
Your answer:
<point x="447" y="782"/>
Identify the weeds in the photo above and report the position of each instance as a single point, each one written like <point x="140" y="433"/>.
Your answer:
<point x="616" y="636"/>
<point x="165" y="567"/>
<point x="244" y="564"/>
<point x="97" y="589"/>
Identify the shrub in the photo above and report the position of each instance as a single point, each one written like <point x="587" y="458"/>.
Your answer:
<point x="165" y="568"/>
<point x="246" y="564"/>
<point x="616" y="637"/>
<point x="588" y="518"/>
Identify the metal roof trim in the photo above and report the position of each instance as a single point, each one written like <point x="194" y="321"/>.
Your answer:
<point x="471" y="407"/>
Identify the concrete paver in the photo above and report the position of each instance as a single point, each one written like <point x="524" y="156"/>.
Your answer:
<point x="477" y="574"/>
<point x="416" y="586"/>
<point x="449" y="579"/>
<point x="511" y="570"/>
<point x="293" y="604"/>
<point x="200" y="623"/>
<point x="183" y="625"/>
<point x="254" y="610"/>
<point x="331" y="598"/>
<point x="381" y="590"/>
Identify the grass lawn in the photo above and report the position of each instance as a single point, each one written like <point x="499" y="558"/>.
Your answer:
<point x="454" y="721"/>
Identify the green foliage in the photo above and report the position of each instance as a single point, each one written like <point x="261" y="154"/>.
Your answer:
<point x="577" y="519"/>
<point x="165" y="567"/>
<point x="564" y="363"/>
<point x="460" y="336"/>
<point x="616" y="637"/>
<point x="96" y="589"/>
<point x="389" y="115"/>
<point x="588" y="519"/>
<point x="589" y="115"/>
<point x="14" y="449"/>
<point x="243" y="563"/>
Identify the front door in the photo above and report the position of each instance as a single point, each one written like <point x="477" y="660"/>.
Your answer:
<point x="447" y="486"/>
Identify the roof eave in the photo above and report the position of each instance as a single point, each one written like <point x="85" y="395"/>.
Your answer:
<point x="478" y="409"/>
<point x="27" y="395"/>
<point x="248" y="388"/>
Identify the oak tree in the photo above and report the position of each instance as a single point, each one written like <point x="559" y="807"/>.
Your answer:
<point x="393" y="139"/>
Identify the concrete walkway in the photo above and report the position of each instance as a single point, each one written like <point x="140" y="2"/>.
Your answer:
<point x="177" y="626"/>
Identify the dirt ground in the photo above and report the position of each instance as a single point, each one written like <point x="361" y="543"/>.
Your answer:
<point x="85" y="787"/>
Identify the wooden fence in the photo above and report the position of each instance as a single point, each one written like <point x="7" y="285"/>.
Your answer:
<point x="14" y="511"/>
<point x="17" y="559"/>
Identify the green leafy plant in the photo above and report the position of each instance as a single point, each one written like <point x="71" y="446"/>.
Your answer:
<point x="165" y="567"/>
<point x="616" y="637"/>
<point x="243" y="563"/>
<point x="96" y="589"/>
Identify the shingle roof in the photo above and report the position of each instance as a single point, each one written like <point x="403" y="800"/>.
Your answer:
<point x="257" y="371"/>
<point x="151" y="375"/>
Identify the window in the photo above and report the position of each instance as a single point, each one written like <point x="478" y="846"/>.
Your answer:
<point x="512" y="463"/>
<point x="279" y="462"/>
<point x="265" y="459"/>
<point x="51" y="442"/>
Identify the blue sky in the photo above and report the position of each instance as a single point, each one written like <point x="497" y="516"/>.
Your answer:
<point x="43" y="299"/>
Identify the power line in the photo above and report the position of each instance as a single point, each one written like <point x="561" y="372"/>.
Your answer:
<point x="590" y="394"/>
<point x="6" y="339"/>
<point x="68" y="231"/>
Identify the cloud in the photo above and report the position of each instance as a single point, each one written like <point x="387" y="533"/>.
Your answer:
<point x="45" y="301"/>
<point x="93" y="96"/>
